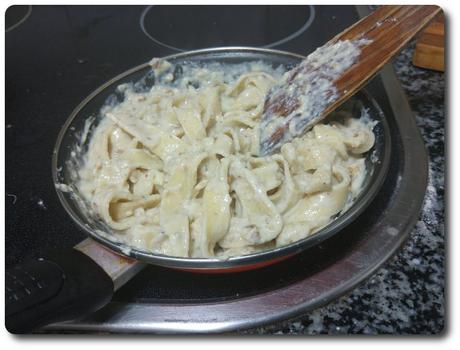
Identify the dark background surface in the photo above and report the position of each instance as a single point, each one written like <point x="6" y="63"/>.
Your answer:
<point x="53" y="60"/>
<point x="60" y="54"/>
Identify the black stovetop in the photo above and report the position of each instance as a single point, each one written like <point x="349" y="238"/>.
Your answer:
<point x="59" y="54"/>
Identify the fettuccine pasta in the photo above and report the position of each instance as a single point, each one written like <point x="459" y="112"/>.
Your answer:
<point x="175" y="170"/>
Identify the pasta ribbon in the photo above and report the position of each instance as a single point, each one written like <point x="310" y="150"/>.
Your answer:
<point x="175" y="170"/>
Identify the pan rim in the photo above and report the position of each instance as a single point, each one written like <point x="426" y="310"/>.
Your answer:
<point x="236" y="261"/>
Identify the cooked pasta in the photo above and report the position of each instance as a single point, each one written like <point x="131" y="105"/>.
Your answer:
<point x="175" y="170"/>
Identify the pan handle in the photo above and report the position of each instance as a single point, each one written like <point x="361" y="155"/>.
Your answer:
<point x="61" y="286"/>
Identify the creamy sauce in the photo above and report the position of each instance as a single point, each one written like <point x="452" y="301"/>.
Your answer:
<point x="175" y="169"/>
<point x="310" y="91"/>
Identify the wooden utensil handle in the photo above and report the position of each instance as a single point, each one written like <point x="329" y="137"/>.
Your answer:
<point x="387" y="30"/>
<point x="371" y="43"/>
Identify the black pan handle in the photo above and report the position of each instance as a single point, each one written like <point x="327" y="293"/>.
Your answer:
<point x="61" y="286"/>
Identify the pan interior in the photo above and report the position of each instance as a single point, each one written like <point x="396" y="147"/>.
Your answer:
<point x="67" y="157"/>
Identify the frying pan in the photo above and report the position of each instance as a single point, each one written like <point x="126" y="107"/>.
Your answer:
<point x="74" y="282"/>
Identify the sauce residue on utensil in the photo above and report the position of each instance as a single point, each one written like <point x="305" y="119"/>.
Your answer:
<point x="305" y="92"/>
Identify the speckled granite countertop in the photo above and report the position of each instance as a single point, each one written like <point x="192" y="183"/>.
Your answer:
<point x="406" y="296"/>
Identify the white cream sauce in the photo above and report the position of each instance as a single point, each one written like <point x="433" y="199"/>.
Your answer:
<point x="175" y="169"/>
<point x="306" y="92"/>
